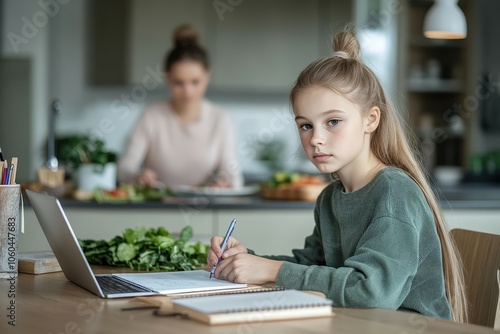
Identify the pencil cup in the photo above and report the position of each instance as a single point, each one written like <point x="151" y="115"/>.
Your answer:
<point x="10" y="196"/>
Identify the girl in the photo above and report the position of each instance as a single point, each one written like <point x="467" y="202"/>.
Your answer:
<point x="379" y="239"/>
<point x="186" y="140"/>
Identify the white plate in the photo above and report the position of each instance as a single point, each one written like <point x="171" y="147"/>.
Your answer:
<point x="215" y="191"/>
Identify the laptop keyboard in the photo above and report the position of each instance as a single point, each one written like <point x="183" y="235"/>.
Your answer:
<point x="116" y="285"/>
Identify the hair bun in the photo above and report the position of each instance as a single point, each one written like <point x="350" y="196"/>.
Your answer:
<point x="185" y="35"/>
<point x="347" y="42"/>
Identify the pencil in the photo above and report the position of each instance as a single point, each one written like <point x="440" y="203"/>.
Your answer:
<point x="4" y="171"/>
<point x="13" y="166"/>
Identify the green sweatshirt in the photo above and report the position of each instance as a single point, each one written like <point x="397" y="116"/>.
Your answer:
<point x="374" y="247"/>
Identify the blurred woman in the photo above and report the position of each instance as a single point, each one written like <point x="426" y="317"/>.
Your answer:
<point x="185" y="140"/>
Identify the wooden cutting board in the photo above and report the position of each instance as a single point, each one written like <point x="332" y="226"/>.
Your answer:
<point x="38" y="263"/>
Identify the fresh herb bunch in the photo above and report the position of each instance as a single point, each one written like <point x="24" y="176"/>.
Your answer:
<point x="147" y="249"/>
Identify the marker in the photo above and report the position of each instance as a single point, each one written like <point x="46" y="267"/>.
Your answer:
<point x="224" y="244"/>
<point x="9" y="173"/>
<point x="1" y="155"/>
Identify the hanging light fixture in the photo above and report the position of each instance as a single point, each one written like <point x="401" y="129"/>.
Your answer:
<point x="445" y="20"/>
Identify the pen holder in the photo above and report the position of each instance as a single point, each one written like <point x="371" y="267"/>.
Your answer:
<point x="10" y="196"/>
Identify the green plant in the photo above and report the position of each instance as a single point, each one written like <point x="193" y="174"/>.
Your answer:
<point x="271" y="154"/>
<point x="76" y="150"/>
<point x="147" y="249"/>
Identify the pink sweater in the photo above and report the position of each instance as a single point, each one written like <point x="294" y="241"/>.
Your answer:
<point x="194" y="153"/>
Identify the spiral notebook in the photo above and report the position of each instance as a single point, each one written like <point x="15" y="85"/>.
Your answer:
<point x="254" y="307"/>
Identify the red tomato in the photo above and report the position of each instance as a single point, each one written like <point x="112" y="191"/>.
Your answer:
<point x="118" y="193"/>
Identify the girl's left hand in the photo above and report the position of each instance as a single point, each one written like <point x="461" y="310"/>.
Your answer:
<point x="247" y="268"/>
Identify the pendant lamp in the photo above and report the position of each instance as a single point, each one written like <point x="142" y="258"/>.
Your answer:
<point x="445" y="20"/>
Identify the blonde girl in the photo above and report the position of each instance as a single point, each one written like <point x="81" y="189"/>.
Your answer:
<point x="379" y="238"/>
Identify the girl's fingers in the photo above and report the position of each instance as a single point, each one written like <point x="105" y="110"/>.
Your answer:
<point x="215" y="245"/>
<point x="219" y="272"/>
<point x="211" y="258"/>
<point x="231" y="251"/>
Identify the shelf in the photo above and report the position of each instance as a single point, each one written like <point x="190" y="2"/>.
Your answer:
<point x="434" y="86"/>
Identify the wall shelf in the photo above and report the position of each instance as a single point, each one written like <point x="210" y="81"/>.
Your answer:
<point x="436" y="80"/>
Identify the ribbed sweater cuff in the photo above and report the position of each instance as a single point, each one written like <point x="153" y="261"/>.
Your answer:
<point x="291" y="276"/>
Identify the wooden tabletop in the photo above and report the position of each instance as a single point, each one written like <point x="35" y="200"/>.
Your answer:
<point x="49" y="303"/>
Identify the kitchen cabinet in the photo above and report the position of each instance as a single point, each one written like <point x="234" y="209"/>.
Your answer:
<point x="254" y="46"/>
<point x="152" y="23"/>
<point x="272" y="232"/>
<point x="105" y="224"/>
<point x="487" y="221"/>
<point x="266" y="231"/>
<point x="437" y="80"/>
<point x="264" y="45"/>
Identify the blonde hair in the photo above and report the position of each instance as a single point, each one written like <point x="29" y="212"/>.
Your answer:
<point x="345" y="74"/>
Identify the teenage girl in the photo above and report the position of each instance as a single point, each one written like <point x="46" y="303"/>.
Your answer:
<point x="379" y="238"/>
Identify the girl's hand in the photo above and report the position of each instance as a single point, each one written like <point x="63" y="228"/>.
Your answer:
<point x="214" y="253"/>
<point x="247" y="268"/>
<point x="148" y="178"/>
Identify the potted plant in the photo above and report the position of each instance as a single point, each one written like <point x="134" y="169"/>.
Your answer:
<point x="92" y="165"/>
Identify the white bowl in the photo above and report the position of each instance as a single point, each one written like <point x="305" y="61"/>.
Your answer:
<point x="448" y="175"/>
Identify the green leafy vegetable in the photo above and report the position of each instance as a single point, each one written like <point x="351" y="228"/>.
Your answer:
<point x="281" y="178"/>
<point x="147" y="249"/>
<point x="129" y="193"/>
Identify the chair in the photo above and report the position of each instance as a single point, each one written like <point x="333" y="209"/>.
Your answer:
<point x="480" y="253"/>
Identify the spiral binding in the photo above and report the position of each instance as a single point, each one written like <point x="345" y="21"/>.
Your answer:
<point x="233" y="292"/>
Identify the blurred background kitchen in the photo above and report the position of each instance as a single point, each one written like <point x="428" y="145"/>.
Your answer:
<point x="103" y="59"/>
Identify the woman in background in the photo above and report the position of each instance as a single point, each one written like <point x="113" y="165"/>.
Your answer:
<point x="185" y="140"/>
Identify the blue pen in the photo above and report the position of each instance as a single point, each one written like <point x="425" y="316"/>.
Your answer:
<point x="224" y="244"/>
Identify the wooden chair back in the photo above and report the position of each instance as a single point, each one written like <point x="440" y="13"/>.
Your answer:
<point x="480" y="253"/>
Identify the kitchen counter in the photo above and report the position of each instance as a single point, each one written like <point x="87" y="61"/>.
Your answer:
<point x="481" y="197"/>
<point x="469" y="196"/>
<point x="197" y="202"/>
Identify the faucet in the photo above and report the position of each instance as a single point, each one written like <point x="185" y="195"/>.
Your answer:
<point x="52" y="162"/>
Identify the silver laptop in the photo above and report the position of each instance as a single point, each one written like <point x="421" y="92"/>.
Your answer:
<point x="76" y="268"/>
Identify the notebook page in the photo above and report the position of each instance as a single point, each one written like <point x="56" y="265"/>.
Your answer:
<point x="260" y="301"/>
<point x="180" y="281"/>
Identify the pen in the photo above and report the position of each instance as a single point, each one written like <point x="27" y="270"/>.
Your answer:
<point x="1" y="155"/>
<point x="224" y="244"/>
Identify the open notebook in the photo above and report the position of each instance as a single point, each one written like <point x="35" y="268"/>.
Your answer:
<point x="254" y="307"/>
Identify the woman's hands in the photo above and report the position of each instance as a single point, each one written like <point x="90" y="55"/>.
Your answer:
<point x="148" y="178"/>
<point x="239" y="266"/>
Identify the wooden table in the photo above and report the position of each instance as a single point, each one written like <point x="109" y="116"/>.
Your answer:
<point x="49" y="303"/>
